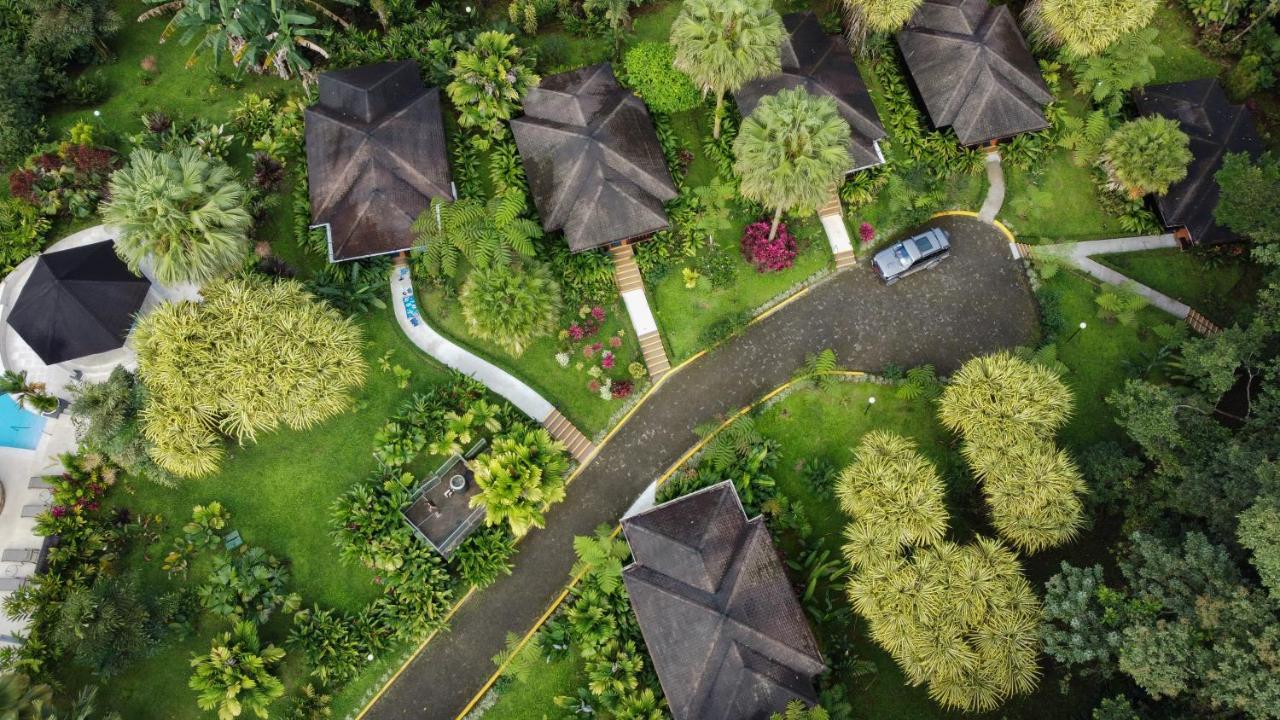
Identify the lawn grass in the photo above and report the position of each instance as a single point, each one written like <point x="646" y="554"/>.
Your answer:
<point x="1056" y="202"/>
<point x="1183" y="59"/>
<point x="278" y="492"/>
<point x="564" y="387"/>
<point x="174" y="89"/>
<point x="530" y="697"/>
<point x="1222" y="289"/>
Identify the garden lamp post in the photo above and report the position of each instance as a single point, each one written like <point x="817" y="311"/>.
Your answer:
<point x="870" y="401"/>
<point x="1082" y="326"/>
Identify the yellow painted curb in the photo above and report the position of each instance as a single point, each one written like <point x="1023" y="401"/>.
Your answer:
<point x="679" y="463"/>
<point x="969" y="213"/>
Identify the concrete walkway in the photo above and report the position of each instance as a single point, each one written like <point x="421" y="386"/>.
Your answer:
<point x="1079" y="254"/>
<point x="974" y="303"/>
<point x="631" y="285"/>
<point x="495" y="378"/>
<point x="995" y="188"/>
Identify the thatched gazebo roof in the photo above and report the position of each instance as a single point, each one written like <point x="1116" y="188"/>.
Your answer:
<point x="595" y="168"/>
<point x="974" y="71"/>
<point x="728" y="638"/>
<point x="375" y="157"/>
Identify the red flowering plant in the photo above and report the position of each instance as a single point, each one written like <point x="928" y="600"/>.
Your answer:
<point x="866" y="232"/>
<point x="768" y="255"/>
<point x="77" y="494"/>
<point x="69" y="179"/>
<point x="582" y="348"/>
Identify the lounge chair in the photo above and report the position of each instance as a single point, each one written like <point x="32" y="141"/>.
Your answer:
<point x="29" y="511"/>
<point x="13" y="583"/>
<point x="39" y="482"/>
<point x="20" y="555"/>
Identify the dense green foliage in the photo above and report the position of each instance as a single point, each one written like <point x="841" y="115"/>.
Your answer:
<point x="254" y="354"/>
<point x="1146" y="156"/>
<point x="1087" y="27"/>
<point x="651" y="72"/>
<point x="183" y="216"/>
<point x="485" y="234"/>
<point x="511" y="306"/>
<point x="1249" y="203"/>
<point x="520" y="477"/>
<point x="236" y="675"/>
<point x="490" y="77"/>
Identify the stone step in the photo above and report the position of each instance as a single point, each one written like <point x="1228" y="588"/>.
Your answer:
<point x="655" y="355"/>
<point x="831" y="207"/>
<point x="1202" y="324"/>
<point x="564" y="431"/>
<point x="626" y="272"/>
<point x="845" y="259"/>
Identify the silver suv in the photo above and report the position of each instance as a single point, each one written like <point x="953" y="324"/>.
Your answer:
<point x="919" y="252"/>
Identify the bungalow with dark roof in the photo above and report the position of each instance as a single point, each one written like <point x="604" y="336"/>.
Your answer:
<point x="974" y="71"/>
<point x="375" y="157"/>
<point x="1215" y="128"/>
<point x="595" y="168"/>
<point x="727" y="636"/>
<point x="823" y="66"/>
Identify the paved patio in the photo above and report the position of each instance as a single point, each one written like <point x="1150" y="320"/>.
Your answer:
<point x="976" y="302"/>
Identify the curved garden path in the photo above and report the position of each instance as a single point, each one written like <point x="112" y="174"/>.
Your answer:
<point x="975" y="302"/>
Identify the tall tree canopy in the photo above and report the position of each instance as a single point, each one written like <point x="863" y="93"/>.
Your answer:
<point x="724" y="44"/>
<point x="490" y="78"/>
<point x="1146" y="155"/>
<point x="1087" y="27"/>
<point x="790" y="152"/>
<point x="254" y="354"/>
<point x="184" y="213"/>
<point x="1249" y="201"/>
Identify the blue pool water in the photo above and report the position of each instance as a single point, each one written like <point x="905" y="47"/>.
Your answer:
<point x="19" y="428"/>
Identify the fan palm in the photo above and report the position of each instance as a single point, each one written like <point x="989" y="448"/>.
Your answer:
<point x="1087" y="27"/>
<point x="1033" y="490"/>
<point x="1145" y="156"/>
<point x="510" y="306"/>
<point x="724" y="44"/>
<point x="895" y="491"/>
<point x="884" y="16"/>
<point x="791" y="151"/>
<point x="185" y="213"/>
<point x="485" y="233"/>
<point x="489" y="79"/>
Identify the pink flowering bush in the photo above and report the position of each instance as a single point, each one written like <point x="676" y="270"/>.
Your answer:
<point x="768" y="255"/>
<point x="866" y="232"/>
<point x="621" y="388"/>
<point x="597" y="353"/>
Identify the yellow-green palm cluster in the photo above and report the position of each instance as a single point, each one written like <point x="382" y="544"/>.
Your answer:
<point x="1007" y="410"/>
<point x="960" y="618"/>
<point x="520" y="477"/>
<point x="1087" y="27"/>
<point x="882" y="15"/>
<point x="254" y="354"/>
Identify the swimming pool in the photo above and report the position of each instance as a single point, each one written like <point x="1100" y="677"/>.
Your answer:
<point x="19" y="428"/>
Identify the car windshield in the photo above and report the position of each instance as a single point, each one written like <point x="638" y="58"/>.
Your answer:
<point x="903" y="256"/>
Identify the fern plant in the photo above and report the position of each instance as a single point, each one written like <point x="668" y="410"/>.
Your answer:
<point x="1120" y="305"/>
<point x="484" y="233"/>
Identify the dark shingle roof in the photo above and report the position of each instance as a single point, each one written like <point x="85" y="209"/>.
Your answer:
<point x="822" y="65"/>
<point x="595" y="168"/>
<point x="1215" y="128"/>
<point x="728" y="639"/>
<point x="974" y="71"/>
<point x="375" y="157"/>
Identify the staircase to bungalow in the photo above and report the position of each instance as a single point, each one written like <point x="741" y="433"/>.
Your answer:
<point x="631" y="285"/>
<point x="833" y="210"/>
<point x="564" y="431"/>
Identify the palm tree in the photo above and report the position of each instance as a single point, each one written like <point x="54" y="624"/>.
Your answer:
<point x="790" y="151"/>
<point x="184" y="212"/>
<point x="22" y="700"/>
<point x="891" y="490"/>
<point x="884" y="16"/>
<point x="1033" y="490"/>
<point x="484" y="233"/>
<point x="1146" y="156"/>
<point x="489" y="79"/>
<point x="724" y="44"/>
<point x="520" y="477"/>
<point x="1087" y="27"/>
<point x="236" y="674"/>
<point x="26" y="393"/>
<point x="510" y="306"/>
<point x="617" y="13"/>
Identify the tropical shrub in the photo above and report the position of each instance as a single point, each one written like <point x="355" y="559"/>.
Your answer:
<point x="490" y="77"/>
<point x="724" y="44"/>
<point x="1249" y="201"/>
<point x="1146" y="156"/>
<point x="236" y="674"/>
<point x="895" y="497"/>
<point x="431" y="38"/>
<point x="293" y="361"/>
<point x="21" y="699"/>
<point x="651" y="72"/>
<point x="880" y="16"/>
<point x="1109" y="76"/>
<point x="768" y="255"/>
<point x="332" y="643"/>
<point x="183" y="214"/>
<point x="484" y="557"/>
<point x="791" y="152"/>
<point x="248" y="584"/>
<point x="484" y="233"/>
<point x="65" y="180"/>
<point x="1033" y="490"/>
<point x="510" y="306"/>
<point x="107" y="419"/>
<point x="1086" y="27"/>
<point x="520" y="477"/>
<point x="529" y="13"/>
<point x="106" y="624"/>
<point x="1004" y="398"/>
<point x="22" y="230"/>
<point x="27" y="392"/>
